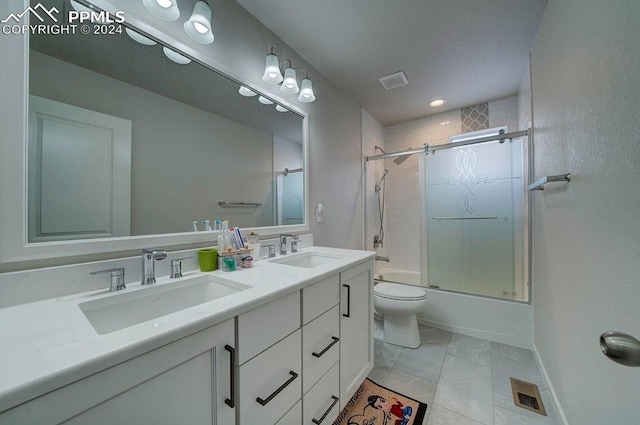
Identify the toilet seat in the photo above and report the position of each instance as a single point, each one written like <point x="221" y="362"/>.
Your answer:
<point x="395" y="291"/>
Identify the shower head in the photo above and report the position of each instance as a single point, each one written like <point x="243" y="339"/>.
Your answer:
<point x="402" y="158"/>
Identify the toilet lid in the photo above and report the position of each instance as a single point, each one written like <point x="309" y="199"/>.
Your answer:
<point x="399" y="292"/>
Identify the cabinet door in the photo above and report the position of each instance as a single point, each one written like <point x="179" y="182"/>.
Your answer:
<point x="270" y="383"/>
<point x="186" y="381"/>
<point x="356" y="328"/>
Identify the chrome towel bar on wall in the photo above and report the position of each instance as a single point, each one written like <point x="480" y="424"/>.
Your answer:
<point x="239" y="204"/>
<point x="539" y="185"/>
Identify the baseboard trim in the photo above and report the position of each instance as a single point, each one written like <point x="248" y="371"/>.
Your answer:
<point x="556" y="403"/>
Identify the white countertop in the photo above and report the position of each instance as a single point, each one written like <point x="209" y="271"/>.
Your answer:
<point x="50" y="343"/>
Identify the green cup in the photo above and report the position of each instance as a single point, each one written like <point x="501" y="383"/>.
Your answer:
<point x="208" y="259"/>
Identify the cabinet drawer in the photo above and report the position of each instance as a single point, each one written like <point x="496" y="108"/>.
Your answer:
<point x="319" y="297"/>
<point x="260" y="328"/>
<point x="320" y="350"/>
<point x="321" y="402"/>
<point x="273" y="377"/>
<point x="293" y="416"/>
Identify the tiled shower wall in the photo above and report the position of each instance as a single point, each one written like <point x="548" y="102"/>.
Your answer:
<point x="402" y="231"/>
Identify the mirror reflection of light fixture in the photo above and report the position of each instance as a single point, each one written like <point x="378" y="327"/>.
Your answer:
<point x="273" y="75"/>
<point x="280" y="108"/>
<point x="163" y="9"/>
<point x="246" y="92"/>
<point x="198" y="27"/>
<point x="264" y="100"/>
<point x="140" y="38"/>
<point x="176" y="57"/>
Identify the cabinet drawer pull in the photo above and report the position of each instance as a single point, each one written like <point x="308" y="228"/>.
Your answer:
<point x="319" y="421"/>
<point x="231" y="401"/>
<point x="276" y="392"/>
<point x="321" y="353"/>
<point x="348" y="301"/>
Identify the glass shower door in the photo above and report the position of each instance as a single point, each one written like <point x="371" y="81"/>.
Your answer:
<point x="473" y="212"/>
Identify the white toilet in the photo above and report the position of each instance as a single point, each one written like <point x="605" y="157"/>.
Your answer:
<point x="399" y="305"/>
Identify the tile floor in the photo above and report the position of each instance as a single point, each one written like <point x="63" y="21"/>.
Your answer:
<point x="464" y="380"/>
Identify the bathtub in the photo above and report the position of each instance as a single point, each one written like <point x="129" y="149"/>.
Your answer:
<point x="497" y="320"/>
<point x="398" y="276"/>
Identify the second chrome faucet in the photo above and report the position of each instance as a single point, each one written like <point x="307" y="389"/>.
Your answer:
<point x="149" y="257"/>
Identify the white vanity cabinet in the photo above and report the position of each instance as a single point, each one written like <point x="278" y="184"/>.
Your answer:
<point x="356" y="328"/>
<point x="187" y="381"/>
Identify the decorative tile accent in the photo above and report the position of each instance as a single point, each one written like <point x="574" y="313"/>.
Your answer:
<point x="475" y="117"/>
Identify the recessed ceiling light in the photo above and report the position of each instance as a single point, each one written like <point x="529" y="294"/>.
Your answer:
<point x="437" y="102"/>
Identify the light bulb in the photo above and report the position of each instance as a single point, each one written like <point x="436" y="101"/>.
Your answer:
<point x="164" y="3"/>
<point x="200" y="28"/>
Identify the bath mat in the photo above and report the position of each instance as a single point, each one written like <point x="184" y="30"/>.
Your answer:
<point x="373" y="404"/>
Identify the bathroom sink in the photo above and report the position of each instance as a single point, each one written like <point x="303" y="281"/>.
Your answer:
<point x="120" y="311"/>
<point x="307" y="260"/>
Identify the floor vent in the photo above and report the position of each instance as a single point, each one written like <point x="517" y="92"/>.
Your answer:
<point x="527" y="396"/>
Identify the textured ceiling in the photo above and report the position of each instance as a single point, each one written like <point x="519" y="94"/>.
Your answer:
<point x="467" y="51"/>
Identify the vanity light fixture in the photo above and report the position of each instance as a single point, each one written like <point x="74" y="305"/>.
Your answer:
<point x="140" y="38"/>
<point x="273" y="75"/>
<point x="438" y="102"/>
<point x="176" y="57"/>
<point x="163" y="9"/>
<point x="246" y="92"/>
<point x="264" y="100"/>
<point x="198" y="27"/>
<point x="280" y="108"/>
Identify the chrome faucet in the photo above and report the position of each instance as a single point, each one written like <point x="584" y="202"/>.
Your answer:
<point x="283" y="243"/>
<point x="381" y="258"/>
<point x="117" y="278"/>
<point x="149" y="257"/>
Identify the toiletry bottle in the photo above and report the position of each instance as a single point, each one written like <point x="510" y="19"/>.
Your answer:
<point x="224" y="240"/>
<point x="253" y="241"/>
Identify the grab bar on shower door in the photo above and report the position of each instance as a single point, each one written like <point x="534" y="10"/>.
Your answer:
<point x="464" y="218"/>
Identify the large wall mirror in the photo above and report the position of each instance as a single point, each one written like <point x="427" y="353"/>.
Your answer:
<point x="128" y="139"/>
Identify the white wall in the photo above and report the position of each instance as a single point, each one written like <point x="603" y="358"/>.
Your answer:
<point x="182" y="159"/>
<point x="586" y="110"/>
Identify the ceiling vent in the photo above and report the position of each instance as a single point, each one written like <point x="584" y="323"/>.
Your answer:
<point x="394" y="80"/>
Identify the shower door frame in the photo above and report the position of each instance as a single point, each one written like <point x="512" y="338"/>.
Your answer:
<point x="526" y="231"/>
